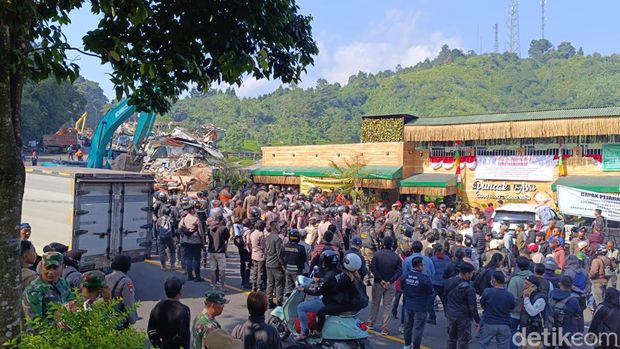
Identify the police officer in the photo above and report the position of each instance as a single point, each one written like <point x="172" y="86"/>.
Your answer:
<point x="71" y="272"/>
<point x="294" y="259"/>
<point x="369" y="242"/>
<point x="47" y="289"/>
<point x="405" y="240"/>
<point x="121" y="286"/>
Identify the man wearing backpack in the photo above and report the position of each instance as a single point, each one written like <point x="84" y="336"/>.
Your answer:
<point x="516" y="286"/>
<point x="461" y="308"/>
<point x="533" y="314"/>
<point x="564" y="311"/>
<point x="600" y="271"/>
<point x="164" y="227"/>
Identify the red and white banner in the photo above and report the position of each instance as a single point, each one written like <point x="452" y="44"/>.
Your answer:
<point x="516" y="168"/>
<point x="447" y="162"/>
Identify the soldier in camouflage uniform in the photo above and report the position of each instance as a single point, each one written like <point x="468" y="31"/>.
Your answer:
<point x="94" y="288"/>
<point x="47" y="289"/>
<point x="369" y="242"/>
<point x="205" y="323"/>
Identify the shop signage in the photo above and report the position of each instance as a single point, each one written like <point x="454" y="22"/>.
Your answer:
<point x="306" y="183"/>
<point x="520" y="191"/>
<point x="611" y="157"/>
<point x="537" y="168"/>
<point x="577" y="202"/>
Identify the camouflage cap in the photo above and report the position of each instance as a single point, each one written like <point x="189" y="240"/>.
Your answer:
<point x="93" y="279"/>
<point x="52" y="258"/>
<point x="216" y="297"/>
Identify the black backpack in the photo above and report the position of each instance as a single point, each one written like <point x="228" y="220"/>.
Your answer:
<point x="557" y="312"/>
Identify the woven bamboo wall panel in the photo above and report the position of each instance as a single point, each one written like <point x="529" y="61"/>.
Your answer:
<point x="514" y="129"/>
<point x="369" y="154"/>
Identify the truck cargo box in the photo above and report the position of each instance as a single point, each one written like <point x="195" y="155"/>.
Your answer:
<point x="101" y="211"/>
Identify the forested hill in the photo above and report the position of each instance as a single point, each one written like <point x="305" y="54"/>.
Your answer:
<point x="451" y="84"/>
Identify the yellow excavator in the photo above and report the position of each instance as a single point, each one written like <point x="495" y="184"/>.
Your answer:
<point x="80" y="123"/>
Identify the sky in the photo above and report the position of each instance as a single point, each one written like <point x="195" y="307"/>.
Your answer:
<point x="371" y="35"/>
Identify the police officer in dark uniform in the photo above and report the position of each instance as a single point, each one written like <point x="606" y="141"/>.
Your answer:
<point x="294" y="259"/>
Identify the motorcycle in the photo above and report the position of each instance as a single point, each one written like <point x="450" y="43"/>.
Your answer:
<point x="342" y="331"/>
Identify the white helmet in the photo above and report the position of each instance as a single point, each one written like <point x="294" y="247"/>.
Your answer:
<point x="352" y="262"/>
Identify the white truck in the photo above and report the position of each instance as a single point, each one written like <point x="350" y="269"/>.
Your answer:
<point x="103" y="212"/>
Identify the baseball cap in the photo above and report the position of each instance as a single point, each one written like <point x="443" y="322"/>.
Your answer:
<point x="356" y="241"/>
<point x="220" y="339"/>
<point x="554" y="241"/>
<point x="582" y="244"/>
<point x="24" y="226"/>
<point x="216" y="297"/>
<point x="93" y="279"/>
<point x="52" y="258"/>
<point x="533" y="247"/>
<point x="550" y="265"/>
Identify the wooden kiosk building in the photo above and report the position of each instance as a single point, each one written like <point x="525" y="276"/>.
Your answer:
<point x="516" y="157"/>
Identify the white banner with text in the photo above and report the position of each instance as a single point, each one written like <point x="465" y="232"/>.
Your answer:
<point x="577" y="202"/>
<point x="537" y="168"/>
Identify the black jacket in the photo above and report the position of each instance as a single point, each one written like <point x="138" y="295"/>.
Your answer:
<point x="168" y="326"/>
<point x="294" y="257"/>
<point x="256" y="334"/>
<point x="386" y="266"/>
<point x="335" y="289"/>
<point x="461" y="300"/>
<point x="606" y="318"/>
<point x="452" y="269"/>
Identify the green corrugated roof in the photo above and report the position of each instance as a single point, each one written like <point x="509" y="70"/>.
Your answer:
<point x="517" y="116"/>
<point x="293" y="171"/>
<point x="367" y="172"/>
<point x="438" y="180"/>
<point x="599" y="184"/>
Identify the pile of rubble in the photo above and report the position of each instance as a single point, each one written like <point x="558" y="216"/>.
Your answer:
<point x="181" y="161"/>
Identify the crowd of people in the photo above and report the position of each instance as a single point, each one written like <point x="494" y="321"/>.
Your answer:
<point x="535" y="281"/>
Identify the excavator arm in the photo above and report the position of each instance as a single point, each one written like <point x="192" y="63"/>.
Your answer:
<point x="112" y="120"/>
<point x="80" y="123"/>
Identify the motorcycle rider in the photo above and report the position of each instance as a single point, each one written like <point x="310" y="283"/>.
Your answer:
<point x="329" y="262"/>
<point x="341" y="292"/>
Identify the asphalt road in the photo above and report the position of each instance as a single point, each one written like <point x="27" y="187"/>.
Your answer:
<point x="149" y="279"/>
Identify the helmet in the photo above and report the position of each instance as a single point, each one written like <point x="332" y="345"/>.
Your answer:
<point x="161" y="196"/>
<point x="352" y="262"/>
<point x="166" y="210"/>
<point x="294" y="206"/>
<point x="341" y="209"/>
<point x="329" y="259"/>
<point x="281" y="195"/>
<point x="174" y="198"/>
<point x="407" y="230"/>
<point x="254" y="212"/>
<point x="270" y="205"/>
<point x="301" y="197"/>
<point x="601" y="249"/>
<point x="184" y="200"/>
<point x="389" y="225"/>
<point x="293" y="235"/>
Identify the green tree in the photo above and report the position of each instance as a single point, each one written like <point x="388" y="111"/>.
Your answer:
<point x="156" y="50"/>
<point x="539" y="48"/>
<point x="565" y="50"/>
<point x="95" y="100"/>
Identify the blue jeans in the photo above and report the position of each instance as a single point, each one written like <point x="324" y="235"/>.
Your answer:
<point x="514" y="327"/>
<point x="502" y="333"/>
<point x="191" y="254"/>
<point x="312" y="305"/>
<point x="414" y="328"/>
<point x="237" y="228"/>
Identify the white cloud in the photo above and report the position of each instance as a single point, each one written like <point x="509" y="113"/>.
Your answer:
<point x="396" y="39"/>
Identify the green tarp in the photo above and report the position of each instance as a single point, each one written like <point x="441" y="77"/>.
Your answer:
<point x="437" y="180"/>
<point x="599" y="184"/>
<point x="367" y="172"/>
<point x="611" y="157"/>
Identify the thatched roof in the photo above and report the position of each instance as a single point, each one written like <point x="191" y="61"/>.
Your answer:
<point x="535" y="124"/>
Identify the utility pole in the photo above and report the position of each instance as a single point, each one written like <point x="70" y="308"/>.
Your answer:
<point x="496" y="43"/>
<point x="513" y="26"/>
<point x="542" y="22"/>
